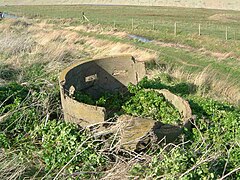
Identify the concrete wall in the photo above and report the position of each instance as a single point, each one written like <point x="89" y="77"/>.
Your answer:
<point x="211" y="4"/>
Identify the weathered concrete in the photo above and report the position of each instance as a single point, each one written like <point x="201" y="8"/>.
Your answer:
<point x="95" y="77"/>
<point x="139" y="133"/>
<point x="114" y="74"/>
<point x="210" y="4"/>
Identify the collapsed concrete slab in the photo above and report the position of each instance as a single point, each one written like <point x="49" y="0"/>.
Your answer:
<point x="138" y="133"/>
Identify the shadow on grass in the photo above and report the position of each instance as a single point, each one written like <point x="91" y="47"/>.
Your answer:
<point x="8" y="73"/>
<point x="164" y="82"/>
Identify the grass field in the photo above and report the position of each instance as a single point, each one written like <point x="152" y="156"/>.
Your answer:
<point x="188" y="51"/>
<point x="214" y="22"/>
<point x="145" y="19"/>
<point x="36" y="143"/>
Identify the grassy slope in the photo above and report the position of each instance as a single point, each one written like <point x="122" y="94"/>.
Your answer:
<point x="163" y="17"/>
<point x="210" y="50"/>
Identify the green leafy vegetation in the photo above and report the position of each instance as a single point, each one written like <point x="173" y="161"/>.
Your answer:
<point x="211" y="150"/>
<point x="33" y="135"/>
<point x="212" y="147"/>
<point x="111" y="101"/>
<point x="138" y="102"/>
<point x="151" y="104"/>
<point x="63" y="143"/>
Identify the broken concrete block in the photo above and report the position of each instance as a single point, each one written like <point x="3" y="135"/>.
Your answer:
<point x="139" y="133"/>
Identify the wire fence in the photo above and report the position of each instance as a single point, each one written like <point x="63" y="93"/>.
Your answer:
<point x="223" y="31"/>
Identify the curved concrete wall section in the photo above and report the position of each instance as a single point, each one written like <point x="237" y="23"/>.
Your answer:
<point x="96" y="77"/>
<point x="109" y="75"/>
<point x="211" y="4"/>
<point x="137" y="132"/>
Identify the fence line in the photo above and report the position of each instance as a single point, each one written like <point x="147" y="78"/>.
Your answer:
<point x="199" y="29"/>
<point x="179" y="28"/>
<point x="210" y="28"/>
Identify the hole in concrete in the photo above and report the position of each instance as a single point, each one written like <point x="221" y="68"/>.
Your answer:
<point x="91" y="78"/>
<point x="120" y="72"/>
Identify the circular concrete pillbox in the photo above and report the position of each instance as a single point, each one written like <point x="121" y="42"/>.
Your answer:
<point x="95" y="77"/>
<point x="110" y="75"/>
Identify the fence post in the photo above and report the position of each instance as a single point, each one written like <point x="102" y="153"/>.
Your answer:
<point x="235" y="35"/>
<point x="175" y="28"/>
<point x="132" y="24"/>
<point x="199" y="29"/>
<point x="226" y="33"/>
<point x="153" y="25"/>
<point x="114" y="24"/>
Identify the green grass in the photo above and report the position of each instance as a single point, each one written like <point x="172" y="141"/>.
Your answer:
<point x="163" y="19"/>
<point x="212" y="39"/>
<point x="189" y="62"/>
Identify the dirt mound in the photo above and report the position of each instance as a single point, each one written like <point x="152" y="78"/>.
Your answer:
<point x="224" y="17"/>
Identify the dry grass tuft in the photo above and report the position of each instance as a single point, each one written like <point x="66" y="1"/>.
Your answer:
<point x="13" y="44"/>
<point x="107" y="48"/>
<point x="10" y="166"/>
<point x="207" y="82"/>
<point x="119" y="171"/>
